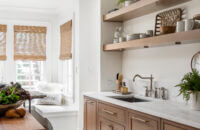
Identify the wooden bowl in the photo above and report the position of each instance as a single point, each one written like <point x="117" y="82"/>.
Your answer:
<point x="4" y="108"/>
<point x="167" y="29"/>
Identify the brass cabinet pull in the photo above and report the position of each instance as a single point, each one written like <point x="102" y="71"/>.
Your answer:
<point x="111" y="126"/>
<point x="109" y="112"/>
<point x="138" y="119"/>
<point x="90" y="102"/>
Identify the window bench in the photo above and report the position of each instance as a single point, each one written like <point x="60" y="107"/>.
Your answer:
<point x="60" y="117"/>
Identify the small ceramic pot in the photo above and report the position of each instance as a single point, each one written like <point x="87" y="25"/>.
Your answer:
<point x="143" y="35"/>
<point x="189" y="24"/>
<point x="128" y="2"/>
<point x="122" y="39"/>
<point x="116" y="40"/>
<point x="136" y="36"/>
<point x="129" y="37"/>
<point x="180" y="26"/>
<point x="150" y="33"/>
<point x="195" y="102"/>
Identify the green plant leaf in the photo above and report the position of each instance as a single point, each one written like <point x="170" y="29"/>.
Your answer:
<point x="190" y="84"/>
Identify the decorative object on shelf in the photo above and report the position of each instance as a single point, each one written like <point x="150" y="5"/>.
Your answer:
<point x="167" y="29"/>
<point x="143" y="35"/>
<point x="189" y="24"/>
<point x="125" y="3"/>
<point x="158" y="41"/>
<point x="196" y="17"/>
<point x="112" y="10"/>
<point x="117" y="34"/>
<point x="122" y="39"/>
<point x="149" y="33"/>
<point x="121" y="2"/>
<point x="180" y="26"/>
<point x="190" y="88"/>
<point x="129" y="37"/>
<point x="128" y="2"/>
<point x="167" y="20"/>
<point x="195" y="62"/>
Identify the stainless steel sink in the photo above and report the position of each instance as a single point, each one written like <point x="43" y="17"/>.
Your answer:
<point x="128" y="98"/>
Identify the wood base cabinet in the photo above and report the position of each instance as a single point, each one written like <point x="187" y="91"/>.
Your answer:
<point x="99" y="115"/>
<point x="169" y="125"/>
<point x="90" y="114"/>
<point x="104" y="124"/>
<point x="143" y="122"/>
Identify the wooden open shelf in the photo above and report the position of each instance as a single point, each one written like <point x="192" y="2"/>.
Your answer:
<point x="181" y="37"/>
<point x="140" y="8"/>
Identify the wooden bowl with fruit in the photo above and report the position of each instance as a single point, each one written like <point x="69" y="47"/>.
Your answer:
<point x="11" y="97"/>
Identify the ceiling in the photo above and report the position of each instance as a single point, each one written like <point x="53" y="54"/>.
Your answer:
<point x="42" y="5"/>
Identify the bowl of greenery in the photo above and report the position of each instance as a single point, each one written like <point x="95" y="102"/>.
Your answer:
<point x="190" y="88"/>
<point x="12" y="96"/>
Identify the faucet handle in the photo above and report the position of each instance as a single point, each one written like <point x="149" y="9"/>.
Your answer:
<point x="164" y="93"/>
<point x="156" y="93"/>
<point x="146" y="91"/>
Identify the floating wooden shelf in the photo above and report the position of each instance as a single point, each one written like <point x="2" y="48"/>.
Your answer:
<point x="174" y="38"/>
<point x="140" y="8"/>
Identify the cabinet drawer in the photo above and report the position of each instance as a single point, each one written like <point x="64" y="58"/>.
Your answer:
<point x="142" y="122"/>
<point x="105" y="124"/>
<point x="112" y="113"/>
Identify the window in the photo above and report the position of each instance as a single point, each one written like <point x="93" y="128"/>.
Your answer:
<point x="3" y="30"/>
<point x="28" y="73"/>
<point x="29" y="43"/>
<point x="29" y="54"/>
<point x="66" y="58"/>
<point x="67" y="78"/>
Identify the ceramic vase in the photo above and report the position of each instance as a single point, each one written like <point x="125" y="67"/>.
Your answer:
<point x="195" y="99"/>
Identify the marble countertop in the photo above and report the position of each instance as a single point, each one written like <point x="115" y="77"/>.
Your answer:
<point x="172" y="111"/>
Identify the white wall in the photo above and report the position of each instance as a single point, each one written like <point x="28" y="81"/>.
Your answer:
<point x="167" y="64"/>
<point x="87" y="46"/>
<point x="111" y="62"/>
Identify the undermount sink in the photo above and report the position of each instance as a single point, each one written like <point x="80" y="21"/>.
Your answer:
<point x="128" y="98"/>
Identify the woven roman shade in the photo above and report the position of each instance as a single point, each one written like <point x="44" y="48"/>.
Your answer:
<point x="3" y="30"/>
<point x="29" y="43"/>
<point x="66" y="41"/>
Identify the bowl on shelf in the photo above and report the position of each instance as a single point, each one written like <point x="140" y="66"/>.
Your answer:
<point x="167" y="29"/>
<point x="4" y="108"/>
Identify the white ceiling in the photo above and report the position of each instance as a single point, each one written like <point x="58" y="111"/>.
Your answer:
<point x="43" y="5"/>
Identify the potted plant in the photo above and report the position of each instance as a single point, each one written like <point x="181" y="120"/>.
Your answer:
<point x="190" y="88"/>
<point x="124" y="2"/>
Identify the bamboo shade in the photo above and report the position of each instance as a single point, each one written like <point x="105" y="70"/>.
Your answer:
<point x="66" y="41"/>
<point x="3" y="30"/>
<point x="29" y="43"/>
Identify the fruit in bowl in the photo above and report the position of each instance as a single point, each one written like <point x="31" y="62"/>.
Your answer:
<point x="12" y="96"/>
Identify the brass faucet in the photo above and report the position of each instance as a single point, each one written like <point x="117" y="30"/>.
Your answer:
<point x="151" y="81"/>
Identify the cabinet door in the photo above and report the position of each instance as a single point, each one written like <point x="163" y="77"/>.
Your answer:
<point x="169" y="125"/>
<point x="105" y="124"/>
<point x="90" y="114"/>
<point x="141" y="122"/>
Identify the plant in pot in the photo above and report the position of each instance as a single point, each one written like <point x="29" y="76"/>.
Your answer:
<point x="124" y="2"/>
<point x="190" y="88"/>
